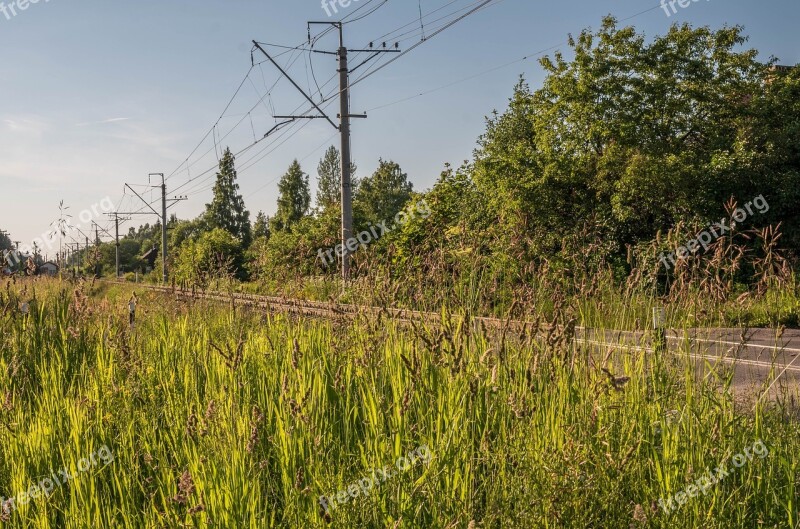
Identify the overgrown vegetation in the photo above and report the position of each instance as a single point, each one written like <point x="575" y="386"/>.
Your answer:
<point x="628" y="150"/>
<point x="221" y="418"/>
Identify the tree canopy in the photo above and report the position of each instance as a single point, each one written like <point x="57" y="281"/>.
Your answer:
<point x="227" y="210"/>
<point x="294" y="198"/>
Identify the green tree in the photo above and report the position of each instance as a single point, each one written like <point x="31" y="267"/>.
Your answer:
<point x="5" y="242"/>
<point x="227" y="210"/>
<point x="293" y="200"/>
<point x="383" y="194"/>
<point x="627" y="137"/>
<point x="184" y="230"/>
<point x="215" y="254"/>
<point x="129" y="252"/>
<point x="261" y="226"/>
<point x="329" y="181"/>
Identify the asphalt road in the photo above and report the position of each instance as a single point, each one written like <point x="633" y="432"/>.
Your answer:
<point x="764" y="364"/>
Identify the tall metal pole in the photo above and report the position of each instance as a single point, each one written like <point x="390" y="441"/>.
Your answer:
<point x="162" y="216"/>
<point x="116" y="227"/>
<point x="164" y="228"/>
<point x="344" y="129"/>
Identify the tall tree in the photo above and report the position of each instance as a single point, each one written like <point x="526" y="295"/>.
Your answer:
<point x="629" y="136"/>
<point x="294" y="199"/>
<point x="227" y="210"/>
<point x="383" y="194"/>
<point x="261" y="227"/>
<point x="329" y="171"/>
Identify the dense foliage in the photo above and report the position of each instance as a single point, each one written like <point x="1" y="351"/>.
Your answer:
<point x="236" y="419"/>
<point x="628" y="150"/>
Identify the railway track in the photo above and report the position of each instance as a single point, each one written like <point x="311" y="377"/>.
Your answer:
<point x="759" y="358"/>
<point x="730" y="346"/>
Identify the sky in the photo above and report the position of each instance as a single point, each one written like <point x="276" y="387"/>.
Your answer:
<point x="96" y="94"/>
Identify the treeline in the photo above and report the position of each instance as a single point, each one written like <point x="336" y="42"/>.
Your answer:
<point x="225" y="242"/>
<point x="629" y="149"/>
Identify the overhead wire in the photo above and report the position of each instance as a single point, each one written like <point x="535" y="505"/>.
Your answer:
<point x="482" y="4"/>
<point x="215" y="123"/>
<point x="289" y="49"/>
<point x="255" y="159"/>
<point x="495" y="68"/>
<point x="244" y="117"/>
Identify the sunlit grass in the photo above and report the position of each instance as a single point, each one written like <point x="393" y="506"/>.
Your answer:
<point x="221" y="418"/>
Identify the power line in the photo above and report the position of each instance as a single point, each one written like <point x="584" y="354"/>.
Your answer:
<point x="276" y="142"/>
<point x="465" y="79"/>
<point x="299" y="48"/>
<point x="483" y="3"/>
<point x="215" y="123"/>
<point x="495" y="68"/>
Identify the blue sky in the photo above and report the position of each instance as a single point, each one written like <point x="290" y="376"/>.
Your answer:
<point x="99" y="93"/>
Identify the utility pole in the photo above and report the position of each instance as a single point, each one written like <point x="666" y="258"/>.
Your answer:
<point x="97" y="230"/>
<point x="163" y="227"/>
<point x="75" y="254"/>
<point x="86" y="249"/>
<point x="343" y="127"/>
<point x="116" y="241"/>
<point x="116" y="235"/>
<point x="162" y="216"/>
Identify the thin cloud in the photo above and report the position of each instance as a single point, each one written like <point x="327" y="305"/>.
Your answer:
<point x="112" y="120"/>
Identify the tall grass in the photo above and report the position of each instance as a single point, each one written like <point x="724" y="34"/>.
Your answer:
<point x="221" y="417"/>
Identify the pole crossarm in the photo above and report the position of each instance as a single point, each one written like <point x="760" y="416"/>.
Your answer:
<point x="343" y="116"/>
<point x="102" y="229"/>
<point x="176" y="200"/>
<point x="143" y="200"/>
<point x="278" y="66"/>
<point x="375" y="53"/>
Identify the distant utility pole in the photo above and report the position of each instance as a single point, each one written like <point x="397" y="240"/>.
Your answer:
<point x="116" y="235"/>
<point x="97" y="230"/>
<point x="343" y="127"/>
<point x="76" y="253"/>
<point x="162" y="216"/>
